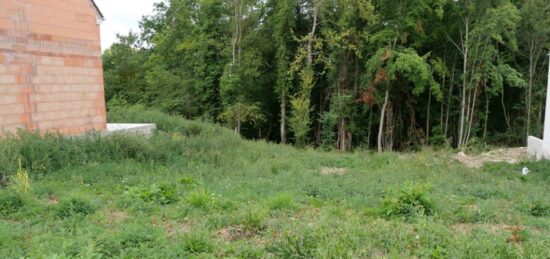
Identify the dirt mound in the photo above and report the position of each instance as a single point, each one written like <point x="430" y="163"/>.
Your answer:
<point x="508" y="155"/>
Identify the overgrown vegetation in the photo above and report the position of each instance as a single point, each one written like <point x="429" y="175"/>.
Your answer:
<point x="343" y="74"/>
<point x="198" y="190"/>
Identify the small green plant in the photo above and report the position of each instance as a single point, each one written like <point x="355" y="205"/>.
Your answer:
<point x="128" y="241"/>
<point x="438" y="140"/>
<point x="539" y="210"/>
<point x="74" y="207"/>
<point x="10" y="203"/>
<point x="161" y="194"/>
<point x="200" y="199"/>
<point x="281" y="201"/>
<point x="188" y="180"/>
<point x="21" y="182"/>
<point x="254" y="220"/>
<point x="297" y="245"/>
<point x="468" y="214"/>
<point x="409" y="201"/>
<point x="197" y="242"/>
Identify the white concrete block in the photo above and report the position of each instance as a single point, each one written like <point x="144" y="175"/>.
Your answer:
<point x="144" y="129"/>
<point x="538" y="148"/>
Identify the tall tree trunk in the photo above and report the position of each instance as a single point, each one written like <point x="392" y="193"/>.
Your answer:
<point x="528" y="96"/>
<point x="283" y="116"/>
<point x="312" y="35"/>
<point x="428" y="117"/>
<point x="238" y="20"/>
<point x="369" y="126"/>
<point x="343" y="142"/>
<point x="471" y="117"/>
<point x="238" y="126"/>
<point x="342" y="135"/>
<point x="505" y="112"/>
<point x="486" y="120"/>
<point x="324" y="96"/>
<point x="236" y="36"/>
<point x="535" y="50"/>
<point x="390" y="126"/>
<point x="449" y="101"/>
<point x="382" y="117"/>
<point x="465" y="49"/>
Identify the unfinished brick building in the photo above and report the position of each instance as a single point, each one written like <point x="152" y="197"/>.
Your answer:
<point x="51" y="76"/>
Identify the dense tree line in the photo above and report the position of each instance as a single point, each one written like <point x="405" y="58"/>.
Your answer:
<point x="383" y="74"/>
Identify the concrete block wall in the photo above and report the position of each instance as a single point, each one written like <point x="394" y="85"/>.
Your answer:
<point x="51" y="75"/>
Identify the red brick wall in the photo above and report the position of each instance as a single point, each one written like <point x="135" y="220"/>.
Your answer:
<point x="51" y="76"/>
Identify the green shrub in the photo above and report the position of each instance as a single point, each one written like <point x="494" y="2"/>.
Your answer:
<point x="52" y="152"/>
<point x="281" y="201"/>
<point x="136" y="237"/>
<point x="9" y="155"/>
<point x="253" y="220"/>
<point x="297" y="245"/>
<point x="409" y="201"/>
<point x="161" y="194"/>
<point x="538" y="209"/>
<point x="438" y="139"/>
<point x="197" y="242"/>
<point x="467" y="214"/>
<point x="130" y="240"/>
<point x="188" y="180"/>
<point x="200" y="199"/>
<point x="42" y="154"/>
<point x="10" y="203"/>
<point x="74" y="207"/>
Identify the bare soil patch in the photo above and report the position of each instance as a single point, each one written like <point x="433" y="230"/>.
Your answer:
<point x="467" y="228"/>
<point x="116" y="216"/>
<point x="508" y="155"/>
<point x="53" y="200"/>
<point x="176" y="228"/>
<point x="333" y="171"/>
<point x="236" y="233"/>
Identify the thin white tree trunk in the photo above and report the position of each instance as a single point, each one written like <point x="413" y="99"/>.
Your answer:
<point x="428" y="116"/>
<point x="381" y="127"/>
<point x="312" y="35"/>
<point x="465" y="49"/>
<point x="449" y="102"/>
<point x="283" y="116"/>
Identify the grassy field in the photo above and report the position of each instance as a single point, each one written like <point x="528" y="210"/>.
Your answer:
<point x="197" y="190"/>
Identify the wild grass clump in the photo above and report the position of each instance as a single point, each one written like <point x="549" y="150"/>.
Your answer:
<point x="281" y="201"/>
<point x="469" y="214"/>
<point x="51" y="152"/>
<point x="539" y="209"/>
<point x="131" y="242"/>
<point x="254" y="220"/>
<point x="10" y="203"/>
<point x="9" y="153"/>
<point x="43" y="154"/>
<point x="197" y="243"/>
<point x="200" y="199"/>
<point x="188" y="180"/>
<point x="74" y="207"/>
<point x="408" y="202"/>
<point x="162" y="194"/>
<point x="296" y="245"/>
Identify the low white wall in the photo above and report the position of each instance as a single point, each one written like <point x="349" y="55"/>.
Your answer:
<point x="145" y="129"/>
<point x="538" y="148"/>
